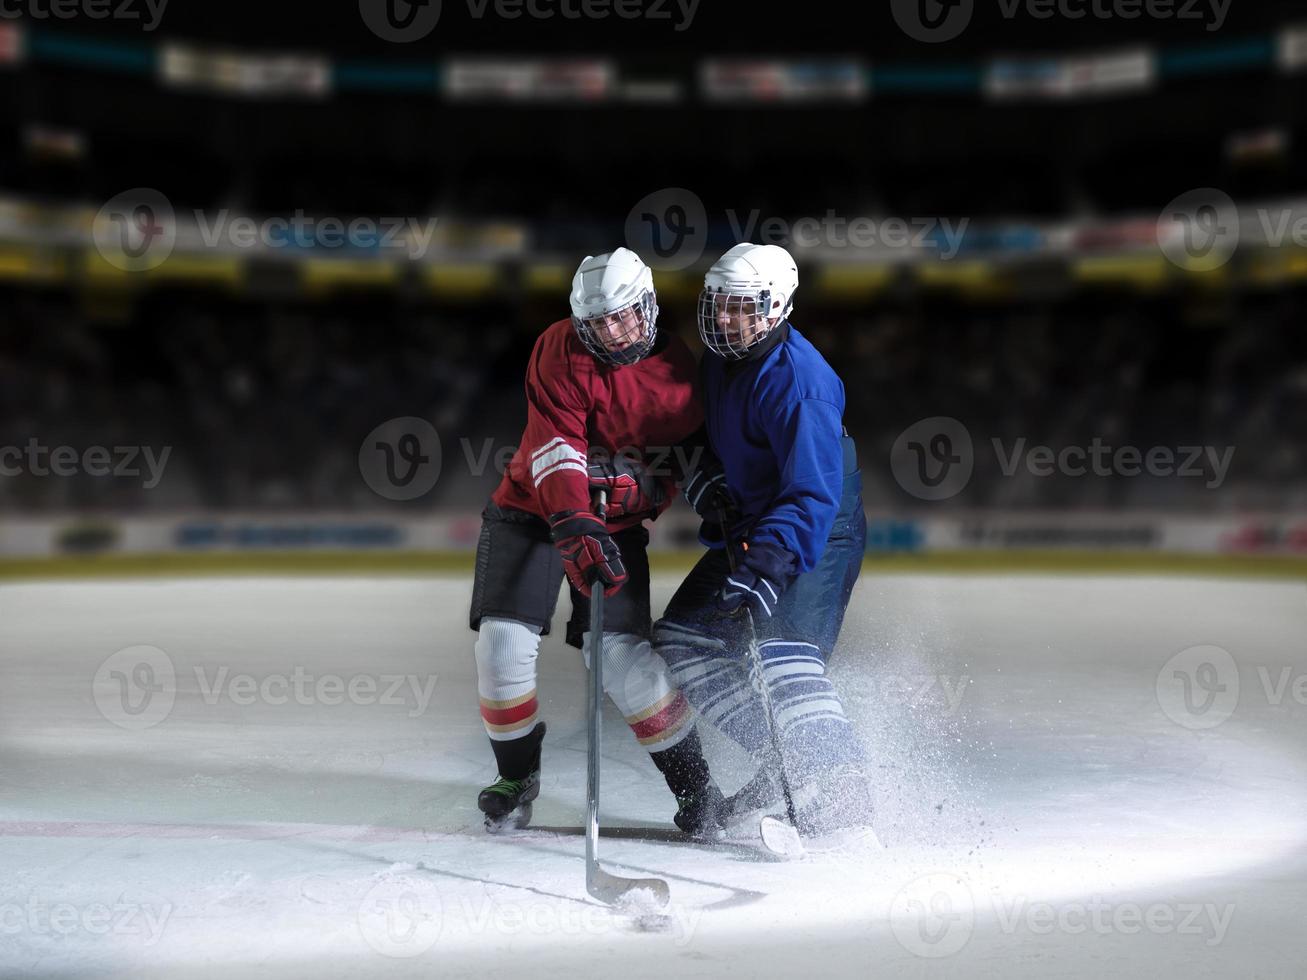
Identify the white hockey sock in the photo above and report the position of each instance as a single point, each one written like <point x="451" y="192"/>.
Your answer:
<point x="640" y="685"/>
<point x="506" y="654"/>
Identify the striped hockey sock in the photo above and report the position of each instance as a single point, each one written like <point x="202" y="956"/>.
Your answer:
<point x="815" y="733"/>
<point x="717" y="685"/>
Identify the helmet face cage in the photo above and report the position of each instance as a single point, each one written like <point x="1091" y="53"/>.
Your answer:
<point x="730" y="323"/>
<point x="622" y="336"/>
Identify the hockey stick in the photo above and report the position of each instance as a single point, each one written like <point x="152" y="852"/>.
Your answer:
<point x="606" y="887"/>
<point x="776" y="836"/>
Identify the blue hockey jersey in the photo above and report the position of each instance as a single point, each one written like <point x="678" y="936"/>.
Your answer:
<point x="776" y="424"/>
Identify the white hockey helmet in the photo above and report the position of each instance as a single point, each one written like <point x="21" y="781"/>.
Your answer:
<point x="746" y="294"/>
<point x="614" y="306"/>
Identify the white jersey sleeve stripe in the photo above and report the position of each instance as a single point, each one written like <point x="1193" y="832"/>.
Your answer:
<point x="547" y="457"/>
<point x="566" y="464"/>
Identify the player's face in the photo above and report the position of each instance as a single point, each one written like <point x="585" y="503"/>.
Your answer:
<point x="738" y="320"/>
<point x="615" y="332"/>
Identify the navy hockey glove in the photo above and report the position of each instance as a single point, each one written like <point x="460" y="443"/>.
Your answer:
<point x="631" y="490"/>
<point x="706" y="492"/>
<point x="758" y="581"/>
<point x="589" y="552"/>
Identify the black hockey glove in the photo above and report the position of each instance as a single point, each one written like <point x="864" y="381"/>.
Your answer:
<point x="631" y="490"/>
<point x="707" y="493"/>
<point x="758" y="581"/>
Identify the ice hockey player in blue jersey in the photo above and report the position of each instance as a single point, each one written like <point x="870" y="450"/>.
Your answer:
<point x="781" y="488"/>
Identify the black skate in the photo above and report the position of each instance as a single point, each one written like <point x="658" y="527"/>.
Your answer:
<point x="699" y="802"/>
<point x="699" y="814"/>
<point x="507" y="802"/>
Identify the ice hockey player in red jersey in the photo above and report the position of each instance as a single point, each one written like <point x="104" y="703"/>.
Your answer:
<point x="608" y="395"/>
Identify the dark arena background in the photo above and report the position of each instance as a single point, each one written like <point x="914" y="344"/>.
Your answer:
<point x="270" y="278"/>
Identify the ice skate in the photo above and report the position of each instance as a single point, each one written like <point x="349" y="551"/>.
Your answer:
<point x="506" y="802"/>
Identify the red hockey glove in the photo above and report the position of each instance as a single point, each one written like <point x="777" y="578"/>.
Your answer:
<point x="589" y="552"/>
<point x="631" y="490"/>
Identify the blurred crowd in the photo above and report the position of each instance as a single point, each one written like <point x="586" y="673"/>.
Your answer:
<point x="265" y="403"/>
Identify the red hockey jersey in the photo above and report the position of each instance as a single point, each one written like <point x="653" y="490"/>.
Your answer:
<point x="644" y="410"/>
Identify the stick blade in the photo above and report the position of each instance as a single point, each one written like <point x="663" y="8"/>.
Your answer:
<point x="615" y="890"/>
<point x="780" y="838"/>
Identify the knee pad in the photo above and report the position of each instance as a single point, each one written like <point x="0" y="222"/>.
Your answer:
<point x="638" y="681"/>
<point x="506" y="654"/>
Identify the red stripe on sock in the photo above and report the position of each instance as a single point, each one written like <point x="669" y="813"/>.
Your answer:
<point x="507" y="716"/>
<point x="669" y="717"/>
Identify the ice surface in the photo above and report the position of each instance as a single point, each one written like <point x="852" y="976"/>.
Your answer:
<point x="296" y="798"/>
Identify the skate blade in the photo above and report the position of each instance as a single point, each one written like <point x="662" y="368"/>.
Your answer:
<point x="846" y="838"/>
<point x="780" y="838"/>
<point x="514" y="820"/>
